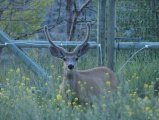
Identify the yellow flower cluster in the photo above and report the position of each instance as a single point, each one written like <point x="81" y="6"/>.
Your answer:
<point x="108" y="83"/>
<point x="58" y="97"/>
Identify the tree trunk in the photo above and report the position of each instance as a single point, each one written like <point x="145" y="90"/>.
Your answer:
<point x="69" y="16"/>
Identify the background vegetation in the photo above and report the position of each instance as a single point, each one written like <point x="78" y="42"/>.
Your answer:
<point x="27" y="96"/>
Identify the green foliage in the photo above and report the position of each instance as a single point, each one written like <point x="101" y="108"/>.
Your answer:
<point x="21" y="18"/>
<point x="24" y="95"/>
<point x="24" y="98"/>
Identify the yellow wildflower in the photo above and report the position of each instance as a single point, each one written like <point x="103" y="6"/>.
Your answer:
<point x="17" y="70"/>
<point x="93" y="106"/>
<point x="145" y="85"/>
<point x="109" y="91"/>
<point x="69" y="103"/>
<point x="79" y="106"/>
<point x="2" y="89"/>
<point x="104" y="106"/>
<point x="68" y="85"/>
<point x="59" y="97"/>
<point x="108" y="82"/>
<point x="27" y="78"/>
<point x="32" y="88"/>
<point x="147" y="108"/>
<point x="107" y="74"/>
<point x="38" y="90"/>
<point x="76" y="99"/>
<point x="68" y="91"/>
<point x="50" y="77"/>
<point x="73" y="93"/>
<point x="52" y="66"/>
<point x="22" y="84"/>
<point x="60" y="86"/>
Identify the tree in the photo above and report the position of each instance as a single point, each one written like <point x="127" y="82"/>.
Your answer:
<point x="18" y="18"/>
<point x="75" y="17"/>
<point x="23" y="18"/>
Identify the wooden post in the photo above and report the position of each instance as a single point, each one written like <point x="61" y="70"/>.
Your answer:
<point x="101" y="30"/>
<point x="111" y="34"/>
<point x="26" y="59"/>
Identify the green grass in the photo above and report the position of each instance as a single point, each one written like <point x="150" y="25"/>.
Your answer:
<point x="23" y="98"/>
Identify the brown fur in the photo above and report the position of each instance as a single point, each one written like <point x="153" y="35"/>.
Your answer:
<point x="95" y="78"/>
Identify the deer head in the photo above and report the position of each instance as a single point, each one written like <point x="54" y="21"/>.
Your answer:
<point x="70" y="58"/>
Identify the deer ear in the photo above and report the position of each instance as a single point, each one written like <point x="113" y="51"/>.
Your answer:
<point x="83" y="49"/>
<point x="56" y="52"/>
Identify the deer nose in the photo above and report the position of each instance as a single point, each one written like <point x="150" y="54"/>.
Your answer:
<point x="70" y="66"/>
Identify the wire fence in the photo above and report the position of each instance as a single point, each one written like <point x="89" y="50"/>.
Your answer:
<point x="138" y="19"/>
<point x="135" y="21"/>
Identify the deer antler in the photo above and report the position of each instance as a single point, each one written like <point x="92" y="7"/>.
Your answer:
<point x="50" y="41"/>
<point x="48" y="35"/>
<point x="85" y="43"/>
<point x="88" y="33"/>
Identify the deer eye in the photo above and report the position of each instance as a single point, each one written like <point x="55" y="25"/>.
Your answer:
<point x="64" y="59"/>
<point x="76" y="59"/>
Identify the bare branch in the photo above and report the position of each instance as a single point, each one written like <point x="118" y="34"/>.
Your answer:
<point x="5" y="7"/>
<point x="59" y="13"/>
<point x="38" y="31"/>
<point x="69" y="16"/>
<point x="74" y="3"/>
<point x="73" y="27"/>
<point x="85" y="5"/>
<point x="41" y="29"/>
<point x="77" y="13"/>
<point x="23" y="2"/>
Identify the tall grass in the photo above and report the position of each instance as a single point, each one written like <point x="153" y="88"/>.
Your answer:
<point x="23" y="97"/>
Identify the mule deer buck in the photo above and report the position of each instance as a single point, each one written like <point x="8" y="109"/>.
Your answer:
<point x="93" y="80"/>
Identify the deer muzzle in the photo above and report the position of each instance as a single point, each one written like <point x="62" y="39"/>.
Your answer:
<point x="70" y="67"/>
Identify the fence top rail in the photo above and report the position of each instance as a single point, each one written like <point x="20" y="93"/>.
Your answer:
<point x="45" y="44"/>
<point x="136" y="45"/>
<point x="56" y="42"/>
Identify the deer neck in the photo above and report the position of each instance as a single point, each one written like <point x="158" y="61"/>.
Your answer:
<point x="70" y="78"/>
<point x="69" y="74"/>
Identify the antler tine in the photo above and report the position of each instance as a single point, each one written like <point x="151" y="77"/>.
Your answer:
<point x="88" y="33"/>
<point x="48" y="35"/>
<point x="63" y="51"/>
<point x="85" y="41"/>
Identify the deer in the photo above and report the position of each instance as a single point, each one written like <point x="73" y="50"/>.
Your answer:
<point x="86" y="84"/>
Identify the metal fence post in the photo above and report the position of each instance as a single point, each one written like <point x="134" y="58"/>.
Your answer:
<point x="111" y="52"/>
<point x="101" y="32"/>
<point x="25" y="58"/>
